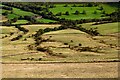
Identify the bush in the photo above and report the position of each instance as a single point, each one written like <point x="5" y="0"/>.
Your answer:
<point x="95" y="12"/>
<point x="11" y="33"/>
<point x="41" y="49"/>
<point x="66" y="13"/>
<point x="71" y="41"/>
<point x="65" y="5"/>
<point x="65" y="43"/>
<point x="86" y="49"/>
<point x="80" y="44"/>
<point x="84" y="12"/>
<point x="25" y="39"/>
<point x="74" y="5"/>
<point x="77" y="12"/>
<point x="59" y="14"/>
<point x="16" y="38"/>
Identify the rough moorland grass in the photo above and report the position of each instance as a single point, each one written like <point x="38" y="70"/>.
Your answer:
<point x="104" y="28"/>
<point x="76" y="36"/>
<point x="7" y="30"/>
<point x="33" y="28"/>
<point x="62" y="36"/>
<point x="65" y="36"/>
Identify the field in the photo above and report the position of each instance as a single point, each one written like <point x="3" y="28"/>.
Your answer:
<point x="104" y="29"/>
<point x="72" y="70"/>
<point x="59" y="40"/>
<point x="89" y="11"/>
<point x="104" y="48"/>
<point x="45" y="20"/>
<point x="21" y="22"/>
<point x="16" y="13"/>
<point x="85" y="12"/>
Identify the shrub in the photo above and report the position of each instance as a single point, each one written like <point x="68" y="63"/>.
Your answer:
<point x="100" y="8"/>
<point x="11" y="33"/>
<point x="80" y="44"/>
<point x="84" y="12"/>
<point x="71" y="41"/>
<point x="59" y="14"/>
<point x="103" y="12"/>
<point x="77" y="12"/>
<point x="74" y="5"/>
<point x="66" y="5"/>
<point x="16" y="38"/>
<point x="25" y="39"/>
<point x="95" y="12"/>
<point x="41" y="49"/>
<point x="66" y="13"/>
<point x="65" y="43"/>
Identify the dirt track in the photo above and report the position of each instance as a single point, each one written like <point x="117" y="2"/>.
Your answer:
<point x="69" y="70"/>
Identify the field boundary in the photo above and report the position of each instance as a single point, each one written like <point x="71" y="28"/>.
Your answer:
<point x="57" y="62"/>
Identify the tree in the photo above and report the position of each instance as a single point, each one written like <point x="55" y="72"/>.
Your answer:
<point x="77" y="12"/>
<point x="95" y="12"/>
<point x="74" y="5"/>
<point x="59" y="14"/>
<point x="50" y="13"/>
<point x="66" y="5"/>
<point x="103" y="12"/>
<point x="89" y="4"/>
<point x="66" y="13"/>
<point x="80" y="44"/>
<point x="52" y="6"/>
<point x="14" y="19"/>
<point x="84" y="12"/>
<point x="47" y="29"/>
<point x="5" y="13"/>
<point x="100" y="8"/>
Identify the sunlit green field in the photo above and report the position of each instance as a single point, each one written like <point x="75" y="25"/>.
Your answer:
<point x="21" y="22"/>
<point x="45" y="20"/>
<point x="89" y="11"/>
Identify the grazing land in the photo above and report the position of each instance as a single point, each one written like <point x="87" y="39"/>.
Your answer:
<point x="72" y="70"/>
<point x="59" y="40"/>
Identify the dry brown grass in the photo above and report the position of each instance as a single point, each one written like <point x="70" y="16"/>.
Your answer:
<point x="63" y="70"/>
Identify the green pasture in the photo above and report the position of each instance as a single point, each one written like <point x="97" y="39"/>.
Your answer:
<point x="21" y="12"/>
<point x="21" y="22"/>
<point x="12" y="16"/>
<point x="45" y="20"/>
<point x="89" y="11"/>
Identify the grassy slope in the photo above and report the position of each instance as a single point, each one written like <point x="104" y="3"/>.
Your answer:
<point x="33" y="28"/>
<point x="7" y="30"/>
<point x="16" y="48"/>
<point x="104" y="28"/>
<point x="63" y="36"/>
<point x="77" y="36"/>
